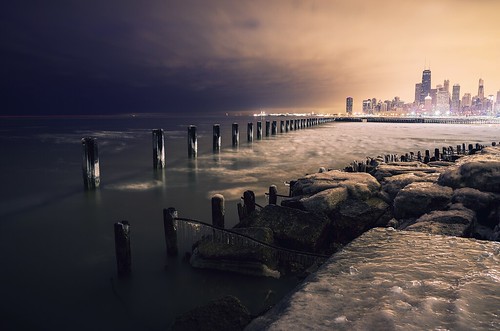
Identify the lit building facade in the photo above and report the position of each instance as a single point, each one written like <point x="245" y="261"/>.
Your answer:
<point x="348" y="105"/>
<point x="455" y="100"/>
<point x="426" y="85"/>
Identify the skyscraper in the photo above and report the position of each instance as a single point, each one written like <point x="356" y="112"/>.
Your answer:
<point x="348" y="105"/>
<point x="455" y="99"/>
<point x="446" y="85"/>
<point x="426" y="85"/>
<point x="480" y="89"/>
<point x="418" y="91"/>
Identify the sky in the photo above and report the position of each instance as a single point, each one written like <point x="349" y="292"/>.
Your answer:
<point x="67" y="57"/>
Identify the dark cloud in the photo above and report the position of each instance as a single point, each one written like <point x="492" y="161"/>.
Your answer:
<point x="68" y="56"/>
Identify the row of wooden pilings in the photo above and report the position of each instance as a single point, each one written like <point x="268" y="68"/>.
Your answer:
<point x="448" y="154"/>
<point x="91" y="173"/>
<point x="170" y="215"/>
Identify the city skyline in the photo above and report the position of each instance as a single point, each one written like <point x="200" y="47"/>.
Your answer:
<point x="69" y="57"/>
<point x="440" y="100"/>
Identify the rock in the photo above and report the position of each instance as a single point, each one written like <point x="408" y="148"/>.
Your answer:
<point x="419" y="198"/>
<point x="325" y="201"/>
<point x="479" y="171"/>
<point x="354" y="217"/>
<point x="293" y="228"/>
<point x="226" y="313"/>
<point x="393" y="184"/>
<point x="392" y="169"/>
<point x="249" y="260"/>
<point x="454" y="222"/>
<point x="359" y="184"/>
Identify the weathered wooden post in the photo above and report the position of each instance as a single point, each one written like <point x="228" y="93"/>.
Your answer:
<point x="90" y="164"/>
<point x="436" y="154"/>
<point x="249" y="202"/>
<point x="250" y="132"/>
<point x="274" y="129"/>
<point x="427" y="157"/>
<point x="169" y="216"/>
<point x="273" y="195"/>
<point x="282" y="126"/>
<point x="268" y="126"/>
<point x="216" y="138"/>
<point x="292" y="183"/>
<point x="259" y="130"/>
<point x="218" y="211"/>
<point x="494" y="143"/>
<point x="471" y="147"/>
<point x="235" y="134"/>
<point x="158" y="149"/>
<point x="287" y="125"/>
<point x="192" y="141"/>
<point x="122" y="248"/>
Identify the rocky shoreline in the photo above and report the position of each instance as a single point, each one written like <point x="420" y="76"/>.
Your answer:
<point x="329" y="209"/>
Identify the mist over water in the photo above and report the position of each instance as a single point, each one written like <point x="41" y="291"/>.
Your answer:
<point x="56" y="240"/>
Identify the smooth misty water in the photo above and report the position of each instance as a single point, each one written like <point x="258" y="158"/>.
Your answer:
<point x="56" y="240"/>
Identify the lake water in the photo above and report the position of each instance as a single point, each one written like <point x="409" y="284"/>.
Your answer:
<point x="58" y="268"/>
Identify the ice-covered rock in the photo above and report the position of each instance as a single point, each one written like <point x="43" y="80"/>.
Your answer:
<point x="293" y="228"/>
<point x="453" y="222"/>
<point x="393" y="184"/>
<point x="392" y="169"/>
<point x="359" y="185"/>
<point x="479" y="171"/>
<point x="419" y="198"/>
<point x="396" y="280"/>
<point x="245" y="259"/>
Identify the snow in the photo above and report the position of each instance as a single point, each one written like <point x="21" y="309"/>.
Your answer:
<point x="397" y="280"/>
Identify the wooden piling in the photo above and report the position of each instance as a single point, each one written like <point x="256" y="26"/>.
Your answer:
<point x="274" y="129"/>
<point x="436" y="154"/>
<point x="218" y="211"/>
<point x="158" y="149"/>
<point x="259" y="130"/>
<point x="268" y="127"/>
<point x="90" y="164"/>
<point x="292" y="183"/>
<point x="273" y="195"/>
<point x="122" y="248"/>
<point x="216" y="138"/>
<point x="170" y="231"/>
<point x="282" y="126"/>
<point x="427" y="157"/>
<point x="192" y="141"/>
<point x="248" y="202"/>
<point x="250" y="132"/>
<point x="287" y="125"/>
<point x="235" y="133"/>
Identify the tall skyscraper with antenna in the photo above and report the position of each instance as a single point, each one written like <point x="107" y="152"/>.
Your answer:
<point x="480" y="89"/>
<point x="426" y="85"/>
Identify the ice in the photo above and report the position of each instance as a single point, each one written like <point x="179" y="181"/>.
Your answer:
<point x="378" y="283"/>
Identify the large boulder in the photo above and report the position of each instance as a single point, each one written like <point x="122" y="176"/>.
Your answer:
<point x="359" y="184"/>
<point x="354" y="217"/>
<point x="453" y="222"/>
<point x="226" y="313"/>
<point x="325" y="201"/>
<point x="245" y="259"/>
<point x="393" y="169"/>
<point x="393" y="184"/>
<point x="479" y="171"/>
<point x="293" y="228"/>
<point x="419" y="198"/>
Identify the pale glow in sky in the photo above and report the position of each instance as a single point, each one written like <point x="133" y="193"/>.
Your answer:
<point x="225" y="55"/>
